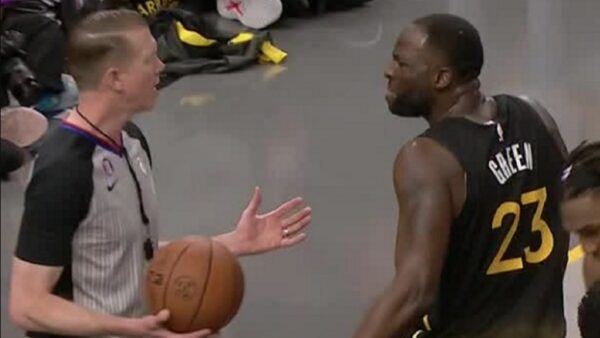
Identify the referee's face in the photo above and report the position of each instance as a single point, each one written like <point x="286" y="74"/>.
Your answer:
<point x="142" y="75"/>
<point x="581" y="215"/>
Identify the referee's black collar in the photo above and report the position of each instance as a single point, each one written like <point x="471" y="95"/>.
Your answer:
<point x="91" y="137"/>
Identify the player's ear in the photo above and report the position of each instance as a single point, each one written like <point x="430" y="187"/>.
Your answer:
<point x="443" y="78"/>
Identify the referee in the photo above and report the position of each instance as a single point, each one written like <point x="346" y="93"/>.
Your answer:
<point x="90" y="223"/>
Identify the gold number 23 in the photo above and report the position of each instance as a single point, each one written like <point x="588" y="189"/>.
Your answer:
<point x="502" y="264"/>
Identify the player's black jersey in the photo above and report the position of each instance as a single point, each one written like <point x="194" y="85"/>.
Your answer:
<point x="507" y="252"/>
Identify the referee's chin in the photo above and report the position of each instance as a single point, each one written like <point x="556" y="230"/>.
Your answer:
<point x="146" y="106"/>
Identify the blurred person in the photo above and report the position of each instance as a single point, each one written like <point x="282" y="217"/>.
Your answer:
<point x="581" y="216"/>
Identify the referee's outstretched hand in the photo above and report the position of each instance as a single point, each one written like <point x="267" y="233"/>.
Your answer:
<point x="279" y="228"/>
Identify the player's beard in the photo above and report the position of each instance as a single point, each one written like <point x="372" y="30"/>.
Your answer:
<point x="411" y="104"/>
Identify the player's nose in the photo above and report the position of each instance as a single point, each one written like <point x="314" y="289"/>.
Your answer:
<point x="388" y="72"/>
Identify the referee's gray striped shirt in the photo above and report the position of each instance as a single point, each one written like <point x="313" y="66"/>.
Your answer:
<point x="82" y="213"/>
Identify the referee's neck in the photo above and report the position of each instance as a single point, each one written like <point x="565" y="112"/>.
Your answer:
<point x="105" y="114"/>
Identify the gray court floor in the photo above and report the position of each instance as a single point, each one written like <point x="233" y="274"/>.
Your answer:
<point x="318" y="127"/>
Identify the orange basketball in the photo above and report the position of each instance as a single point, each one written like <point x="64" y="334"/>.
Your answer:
<point x="199" y="281"/>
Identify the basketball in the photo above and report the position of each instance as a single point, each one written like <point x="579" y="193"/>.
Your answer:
<point x="199" y="281"/>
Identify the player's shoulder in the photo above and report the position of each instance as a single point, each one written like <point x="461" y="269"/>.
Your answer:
<point x="533" y="106"/>
<point x="420" y="149"/>
<point x="547" y="120"/>
<point x="537" y="107"/>
<point x="426" y="158"/>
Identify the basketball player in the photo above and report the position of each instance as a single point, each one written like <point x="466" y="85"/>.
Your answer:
<point x="480" y="251"/>
<point x="90" y="222"/>
<point x="581" y="215"/>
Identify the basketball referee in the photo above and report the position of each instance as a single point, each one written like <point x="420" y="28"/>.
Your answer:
<point x="90" y="222"/>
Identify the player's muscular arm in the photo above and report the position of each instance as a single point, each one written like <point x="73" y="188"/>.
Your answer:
<point x="425" y="204"/>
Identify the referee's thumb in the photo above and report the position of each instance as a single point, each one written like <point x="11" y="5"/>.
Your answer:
<point x="162" y="316"/>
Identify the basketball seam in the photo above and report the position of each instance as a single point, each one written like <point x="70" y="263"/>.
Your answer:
<point x="208" y="272"/>
<point x="171" y="274"/>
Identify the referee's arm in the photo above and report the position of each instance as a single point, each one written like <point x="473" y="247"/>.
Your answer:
<point x="33" y="307"/>
<point x="56" y="201"/>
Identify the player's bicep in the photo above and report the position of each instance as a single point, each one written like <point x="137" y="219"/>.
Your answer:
<point x="425" y="213"/>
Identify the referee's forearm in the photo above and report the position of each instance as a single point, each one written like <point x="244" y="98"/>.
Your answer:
<point x="52" y="314"/>
<point x="230" y="240"/>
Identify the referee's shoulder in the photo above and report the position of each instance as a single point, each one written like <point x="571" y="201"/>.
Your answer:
<point x="62" y="153"/>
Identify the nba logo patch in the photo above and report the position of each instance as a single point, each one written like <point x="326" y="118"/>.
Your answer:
<point x="109" y="170"/>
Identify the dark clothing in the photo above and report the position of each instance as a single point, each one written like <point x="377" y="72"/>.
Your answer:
<point x="45" y="24"/>
<point x="215" y="53"/>
<point x="44" y="45"/>
<point x="64" y="12"/>
<point x="149" y="8"/>
<point x="11" y="158"/>
<point x="507" y="252"/>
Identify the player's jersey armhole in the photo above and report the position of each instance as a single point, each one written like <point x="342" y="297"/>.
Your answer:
<point x="467" y="206"/>
<point x="462" y="166"/>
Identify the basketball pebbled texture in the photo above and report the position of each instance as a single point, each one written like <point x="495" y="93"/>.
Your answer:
<point x="199" y="281"/>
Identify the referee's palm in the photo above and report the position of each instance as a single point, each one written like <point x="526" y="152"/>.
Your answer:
<point x="276" y="229"/>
